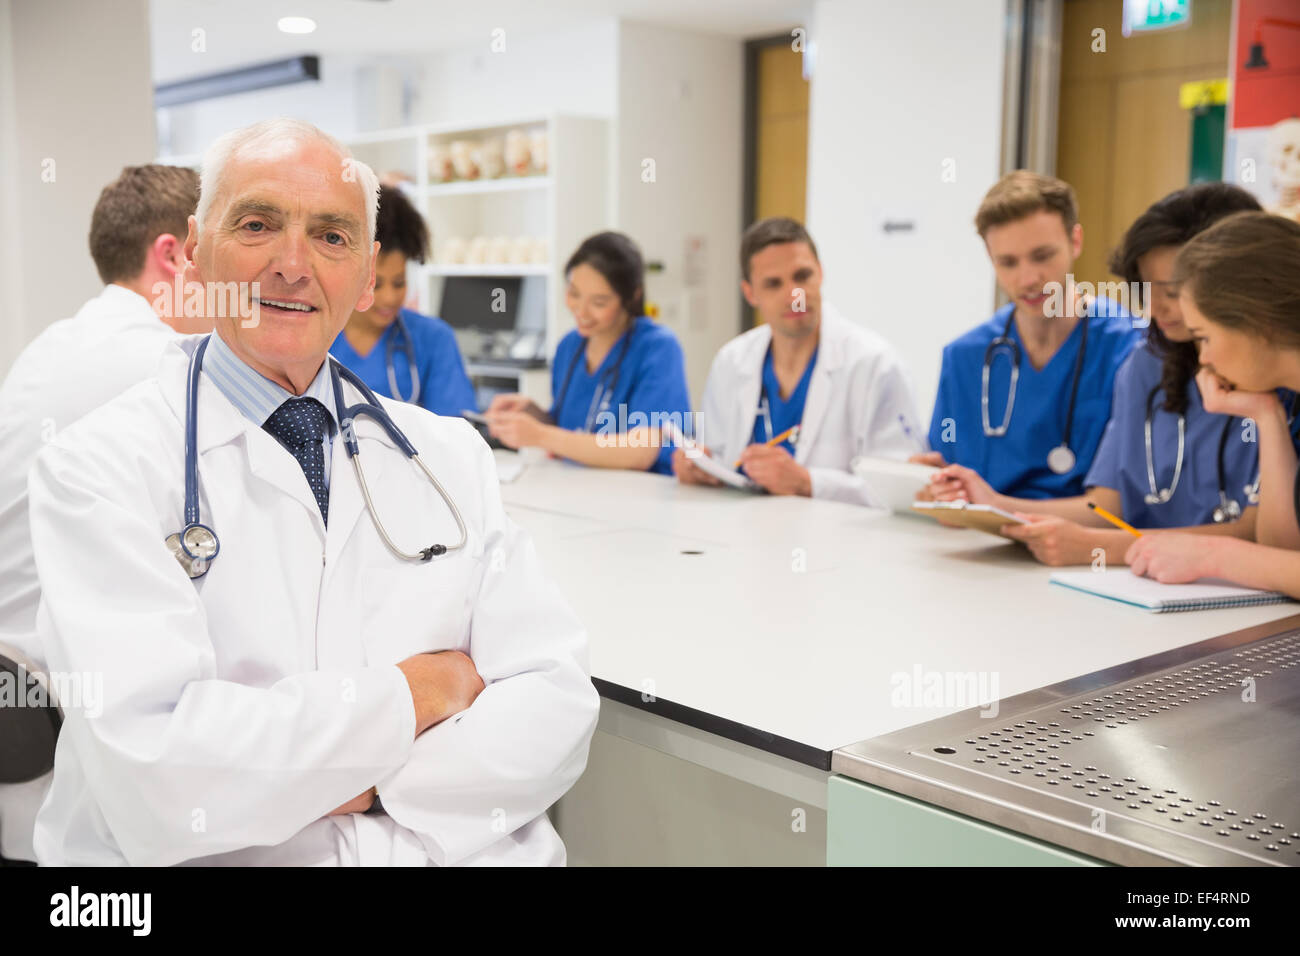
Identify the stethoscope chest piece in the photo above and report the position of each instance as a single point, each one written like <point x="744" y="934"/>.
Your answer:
<point x="1061" y="460"/>
<point x="1228" y="509"/>
<point x="194" y="547"/>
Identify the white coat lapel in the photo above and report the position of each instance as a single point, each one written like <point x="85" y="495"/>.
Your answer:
<point x="221" y="424"/>
<point x="749" y="389"/>
<point x="821" y="388"/>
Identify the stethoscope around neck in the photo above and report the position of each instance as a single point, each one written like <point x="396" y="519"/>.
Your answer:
<point x="409" y="347"/>
<point x="196" y="545"/>
<point x="1228" y="509"/>
<point x="604" y="388"/>
<point x="1061" y="460"/>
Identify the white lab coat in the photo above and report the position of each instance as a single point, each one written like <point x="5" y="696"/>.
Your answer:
<point x="859" y="402"/>
<point x="239" y="709"/>
<point x="72" y="367"/>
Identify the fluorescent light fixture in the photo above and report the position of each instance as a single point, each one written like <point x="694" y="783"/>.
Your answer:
<point x="259" y="77"/>
<point x="296" y="25"/>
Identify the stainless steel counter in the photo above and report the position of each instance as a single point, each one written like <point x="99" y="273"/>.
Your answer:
<point x="1186" y="757"/>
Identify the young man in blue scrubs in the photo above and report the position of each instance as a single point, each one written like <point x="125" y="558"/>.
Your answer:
<point x="1024" y="398"/>
<point x="806" y="365"/>
<point x="616" y="377"/>
<point x="1200" y="469"/>
<point x="398" y="352"/>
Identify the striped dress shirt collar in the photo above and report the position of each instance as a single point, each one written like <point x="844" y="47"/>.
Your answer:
<point x="255" y="395"/>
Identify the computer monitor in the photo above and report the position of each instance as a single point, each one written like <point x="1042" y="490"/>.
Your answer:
<point x="481" y="303"/>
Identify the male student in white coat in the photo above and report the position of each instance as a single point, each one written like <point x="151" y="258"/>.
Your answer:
<point x="806" y="365"/>
<point x="304" y="694"/>
<point x="137" y="239"/>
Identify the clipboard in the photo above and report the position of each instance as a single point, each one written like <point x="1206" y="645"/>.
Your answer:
<point x="980" y="517"/>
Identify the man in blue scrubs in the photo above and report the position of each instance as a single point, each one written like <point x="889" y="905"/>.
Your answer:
<point x="1050" y="355"/>
<point x="398" y="352"/>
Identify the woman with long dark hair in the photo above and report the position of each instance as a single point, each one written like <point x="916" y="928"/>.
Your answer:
<point x="1239" y="290"/>
<point x="617" y="377"/>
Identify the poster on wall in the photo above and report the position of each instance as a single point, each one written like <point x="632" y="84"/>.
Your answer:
<point x="1262" y="153"/>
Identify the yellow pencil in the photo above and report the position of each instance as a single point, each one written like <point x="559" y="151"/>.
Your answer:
<point x="1117" y="522"/>
<point x="775" y="441"/>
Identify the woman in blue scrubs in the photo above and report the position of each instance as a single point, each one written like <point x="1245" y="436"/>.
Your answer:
<point x="398" y="352"/>
<point x="616" y="379"/>
<point x="1210" y="484"/>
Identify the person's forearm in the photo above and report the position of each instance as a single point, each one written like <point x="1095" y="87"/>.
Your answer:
<point x="1255" y="565"/>
<point x="1277" y="468"/>
<point x="631" y="450"/>
<point x="1243" y="527"/>
<point x="1074" y="509"/>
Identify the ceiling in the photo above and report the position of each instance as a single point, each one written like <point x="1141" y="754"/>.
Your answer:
<point x="239" y="32"/>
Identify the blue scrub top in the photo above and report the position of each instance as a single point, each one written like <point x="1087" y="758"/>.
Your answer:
<point x="784" y="413"/>
<point x="1016" y="463"/>
<point x="647" y="387"/>
<point x="1121" y="462"/>
<point x="445" y="389"/>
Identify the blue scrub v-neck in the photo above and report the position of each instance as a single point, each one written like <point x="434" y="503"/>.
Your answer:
<point x="784" y="413"/>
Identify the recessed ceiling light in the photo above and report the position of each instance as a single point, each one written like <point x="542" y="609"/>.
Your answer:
<point x="296" y="24"/>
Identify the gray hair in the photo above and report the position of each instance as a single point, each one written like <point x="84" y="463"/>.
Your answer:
<point x="278" y="130"/>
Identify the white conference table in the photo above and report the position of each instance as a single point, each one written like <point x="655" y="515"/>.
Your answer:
<point x="752" y="635"/>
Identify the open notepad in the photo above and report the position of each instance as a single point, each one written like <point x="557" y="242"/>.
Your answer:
<point x="710" y="466"/>
<point x="1124" y="585"/>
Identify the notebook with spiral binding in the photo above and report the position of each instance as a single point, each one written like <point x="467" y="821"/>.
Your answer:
<point x="1125" y="586"/>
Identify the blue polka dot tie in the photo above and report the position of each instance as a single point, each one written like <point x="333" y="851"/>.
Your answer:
<point x="300" y="425"/>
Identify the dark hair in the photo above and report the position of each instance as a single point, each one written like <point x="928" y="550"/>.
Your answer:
<point x="773" y="231"/>
<point x="1022" y="193"/>
<point x="617" y="258"/>
<point x="143" y="203"/>
<point x="399" y="227"/>
<point x="1244" y="273"/>
<point x="1174" y="221"/>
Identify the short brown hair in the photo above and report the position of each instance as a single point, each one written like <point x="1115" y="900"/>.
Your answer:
<point x="772" y="231"/>
<point x="1022" y="193"/>
<point x="142" y="204"/>
<point x="1244" y="273"/>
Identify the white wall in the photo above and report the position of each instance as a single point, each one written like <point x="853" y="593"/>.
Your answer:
<point x="570" y="70"/>
<point x="681" y="104"/>
<point x="898" y="92"/>
<point x="330" y="102"/>
<point x="76" y="91"/>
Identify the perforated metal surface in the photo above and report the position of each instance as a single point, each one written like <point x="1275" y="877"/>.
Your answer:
<point x="1187" y="757"/>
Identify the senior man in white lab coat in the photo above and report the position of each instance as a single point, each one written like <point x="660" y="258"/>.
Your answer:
<point x="137" y="240"/>
<point x="805" y="365"/>
<point x="312" y="698"/>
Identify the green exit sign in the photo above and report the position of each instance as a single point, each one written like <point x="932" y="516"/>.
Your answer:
<point x="1144" y="16"/>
